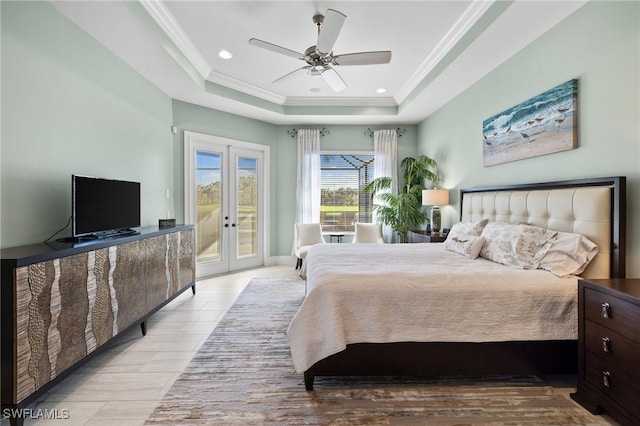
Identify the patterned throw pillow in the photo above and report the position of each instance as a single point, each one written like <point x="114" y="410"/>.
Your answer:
<point x="466" y="245"/>
<point x="468" y="228"/>
<point x="520" y="246"/>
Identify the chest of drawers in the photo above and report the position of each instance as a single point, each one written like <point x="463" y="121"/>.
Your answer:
<point x="609" y="348"/>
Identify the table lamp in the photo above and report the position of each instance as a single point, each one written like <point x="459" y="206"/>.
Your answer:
<point x="435" y="198"/>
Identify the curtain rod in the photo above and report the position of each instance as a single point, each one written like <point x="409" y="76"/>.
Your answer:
<point x="400" y="131"/>
<point x="294" y="132"/>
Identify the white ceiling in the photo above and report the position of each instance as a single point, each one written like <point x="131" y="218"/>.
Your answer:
<point x="439" y="48"/>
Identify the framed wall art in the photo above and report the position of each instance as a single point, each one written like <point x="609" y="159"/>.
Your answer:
<point x="542" y="125"/>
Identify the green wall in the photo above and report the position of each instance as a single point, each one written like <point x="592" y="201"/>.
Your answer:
<point x="199" y="119"/>
<point x="69" y="106"/>
<point x="600" y="46"/>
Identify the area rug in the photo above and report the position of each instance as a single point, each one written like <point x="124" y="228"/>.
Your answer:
<point x="243" y="375"/>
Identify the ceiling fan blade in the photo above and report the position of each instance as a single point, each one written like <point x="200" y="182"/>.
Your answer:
<point x="275" y="48"/>
<point x="330" y="30"/>
<point x="291" y="74"/>
<point x="334" y="80"/>
<point x="363" y="58"/>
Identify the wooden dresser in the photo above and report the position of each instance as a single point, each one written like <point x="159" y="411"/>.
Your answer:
<point x="609" y="348"/>
<point x="62" y="303"/>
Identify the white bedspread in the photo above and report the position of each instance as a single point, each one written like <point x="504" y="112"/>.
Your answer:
<point x="381" y="293"/>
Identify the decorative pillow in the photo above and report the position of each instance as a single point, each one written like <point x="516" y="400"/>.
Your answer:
<point x="569" y="254"/>
<point x="520" y="246"/>
<point x="468" y="228"/>
<point x="466" y="245"/>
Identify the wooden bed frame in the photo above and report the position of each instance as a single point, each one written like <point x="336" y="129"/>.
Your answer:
<point x="491" y="358"/>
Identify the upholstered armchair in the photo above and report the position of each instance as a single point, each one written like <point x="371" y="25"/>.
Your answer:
<point x="306" y="235"/>
<point x="368" y="233"/>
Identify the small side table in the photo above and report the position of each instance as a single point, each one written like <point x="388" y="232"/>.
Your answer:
<point x="337" y="236"/>
<point x="426" y="237"/>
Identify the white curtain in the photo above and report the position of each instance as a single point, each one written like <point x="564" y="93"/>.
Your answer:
<point x="385" y="146"/>
<point x="308" y="189"/>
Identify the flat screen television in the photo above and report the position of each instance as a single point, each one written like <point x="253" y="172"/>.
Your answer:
<point x="104" y="207"/>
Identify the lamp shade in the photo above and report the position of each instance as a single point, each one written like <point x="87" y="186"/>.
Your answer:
<point x="435" y="197"/>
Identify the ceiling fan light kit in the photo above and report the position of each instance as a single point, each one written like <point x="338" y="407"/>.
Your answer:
<point x="320" y="57"/>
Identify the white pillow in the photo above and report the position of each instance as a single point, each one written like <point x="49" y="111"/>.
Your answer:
<point x="569" y="254"/>
<point x="468" y="228"/>
<point x="466" y="245"/>
<point x="520" y="246"/>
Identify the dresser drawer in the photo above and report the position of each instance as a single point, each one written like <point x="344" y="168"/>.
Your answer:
<point x="613" y="383"/>
<point x="613" y="348"/>
<point x="613" y="313"/>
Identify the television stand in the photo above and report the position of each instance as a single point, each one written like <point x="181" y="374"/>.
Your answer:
<point x="61" y="304"/>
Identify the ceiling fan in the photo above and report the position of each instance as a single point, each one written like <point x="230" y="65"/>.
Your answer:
<point x="320" y="58"/>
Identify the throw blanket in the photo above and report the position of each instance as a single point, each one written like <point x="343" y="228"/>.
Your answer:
<point x="382" y="293"/>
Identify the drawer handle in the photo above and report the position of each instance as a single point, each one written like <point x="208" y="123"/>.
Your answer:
<point x="606" y="344"/>
<point x="606" y="310"/>
<point x="606" y="379"/>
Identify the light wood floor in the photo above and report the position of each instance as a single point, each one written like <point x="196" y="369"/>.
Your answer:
<point x="124" y="384"/>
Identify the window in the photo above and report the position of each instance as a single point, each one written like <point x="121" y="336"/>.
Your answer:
<point x="343" y="202"/>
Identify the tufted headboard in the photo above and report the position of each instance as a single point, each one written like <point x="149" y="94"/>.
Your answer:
<point x="595" y="208"/>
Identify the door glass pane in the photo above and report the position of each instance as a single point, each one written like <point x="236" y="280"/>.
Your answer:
<point x="247" y="206"/>
<point x="209" y="200"/>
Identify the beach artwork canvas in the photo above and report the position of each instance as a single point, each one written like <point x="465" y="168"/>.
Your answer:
<point x="542" y="125"/>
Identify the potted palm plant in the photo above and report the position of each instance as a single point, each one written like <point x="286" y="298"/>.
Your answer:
<point x="403" y="211"/>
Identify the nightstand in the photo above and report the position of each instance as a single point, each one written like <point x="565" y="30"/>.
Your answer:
<point x="425" y="237"/>
<point x="609" y="348"/>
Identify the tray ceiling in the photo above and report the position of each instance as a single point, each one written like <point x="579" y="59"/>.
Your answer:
<point x="439" y="48"/>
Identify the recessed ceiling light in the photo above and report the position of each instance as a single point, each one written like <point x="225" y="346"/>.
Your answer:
<point x="381" y="90"/>
<point x="225" y="54"/>
<point x="315" y="90"/>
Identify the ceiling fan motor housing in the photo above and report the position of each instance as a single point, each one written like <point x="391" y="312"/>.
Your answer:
<point x="315" y="58"/>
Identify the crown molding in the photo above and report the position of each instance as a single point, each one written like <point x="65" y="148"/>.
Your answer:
<point x="167" y="22"/>
<point x="470" y="16"/>
<point x="165" y="19"/>
<point x="242" y="86"/>
<point x="309" y="101"/>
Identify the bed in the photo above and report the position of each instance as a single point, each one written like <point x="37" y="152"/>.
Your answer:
<point x="421" y="310"/>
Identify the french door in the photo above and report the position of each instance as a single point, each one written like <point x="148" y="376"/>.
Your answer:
<point x="225" y="199"/>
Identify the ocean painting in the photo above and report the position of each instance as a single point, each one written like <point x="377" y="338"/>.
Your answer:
<point x="544" y="124"/>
